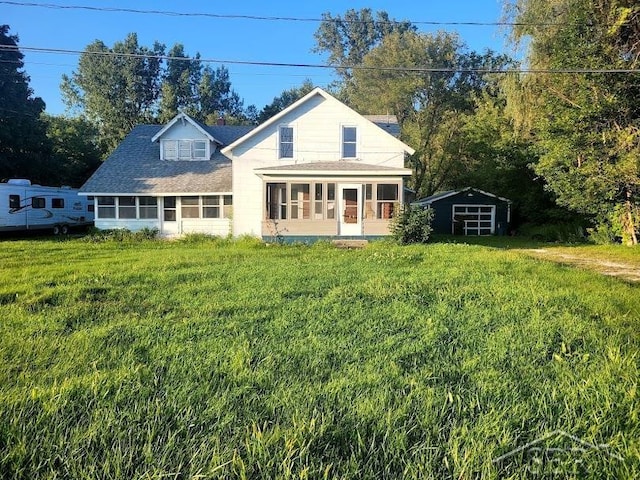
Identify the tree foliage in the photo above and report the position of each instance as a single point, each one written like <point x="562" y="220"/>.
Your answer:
<point x="429" y="105"/>
<point x="497" y="159"/>
<point x="116" y="88"/>
<point x="286" y="98"/>
<point x="586" y="126"/>
<point x="216" y="98"/>
<point x="75" y="152"/>
<point x="119" y="87"/>
<point x="180" y="83"/>
<point x="24" y="148"/>
<point x="348" y="38"/>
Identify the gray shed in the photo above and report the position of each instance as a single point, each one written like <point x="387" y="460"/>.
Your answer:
<point x="468" y="211"/>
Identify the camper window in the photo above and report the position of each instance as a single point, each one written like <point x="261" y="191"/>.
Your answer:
<point x="14" y="201"/>
<point x="57" y="203"/>
<point x="37" y="202"/>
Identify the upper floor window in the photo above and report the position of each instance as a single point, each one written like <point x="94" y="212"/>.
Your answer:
<point x="184" y="149"/>
<point x="349" y="139"/>
<point x="286" y="142"/>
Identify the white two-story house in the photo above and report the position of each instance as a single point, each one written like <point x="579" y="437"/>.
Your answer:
<point x="316" y="169"/>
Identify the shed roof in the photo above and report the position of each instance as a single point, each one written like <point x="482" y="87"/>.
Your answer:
<point x="135" y="166"/>
<point x="339" y="167"/>
<point x="449" y="193"/>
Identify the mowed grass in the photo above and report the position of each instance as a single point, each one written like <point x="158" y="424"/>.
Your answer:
<point x="218" y="359"/>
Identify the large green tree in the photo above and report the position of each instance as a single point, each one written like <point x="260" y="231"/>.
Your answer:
<point x="286" y="98"/>
<point x="75" y="152"/>
<point x="585" y="125"/>
<point x="180" y="82"/>
<point x="24" y="148"/>
<point x="497" y="159"/>
<point x="348" y="38"/>
<point x="216" y="98"/>
<point x="399" y="76"/>
<point x="116" y="88"/>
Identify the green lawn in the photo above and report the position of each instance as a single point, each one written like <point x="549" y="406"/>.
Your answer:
<point x="219" y="359"/>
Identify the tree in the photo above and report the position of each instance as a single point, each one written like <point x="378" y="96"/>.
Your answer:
<point x="116" y="88"/>
<point x="286" y="98"/>
<point x="498" y="160"/>
<point x="429" y="105"/>
<point x="75" y="152"/>
<point x="216" y="98"/>
<point x="24" y="147"/>
<point x="179" y="83"/>
<point x="349" y="38"/>
<point x="587" y="125"/>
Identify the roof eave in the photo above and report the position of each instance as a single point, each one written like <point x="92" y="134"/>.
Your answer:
<point x="186" y="117"/>
<point x="316" y="91"/>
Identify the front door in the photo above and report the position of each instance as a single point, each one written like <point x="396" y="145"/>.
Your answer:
<point x="350" y="198"/>
<point x="170" y="224"/>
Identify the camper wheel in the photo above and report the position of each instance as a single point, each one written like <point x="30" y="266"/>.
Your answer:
<point x="60" y="229"/>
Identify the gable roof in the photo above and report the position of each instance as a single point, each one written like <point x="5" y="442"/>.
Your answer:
<point x="316" y="91"/>
<point x="135" y="167"/>
<point x="201" y="127"/>
<point x="449" y="193"/>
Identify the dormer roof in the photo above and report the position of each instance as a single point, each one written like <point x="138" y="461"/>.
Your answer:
<point x="201" y="127"/>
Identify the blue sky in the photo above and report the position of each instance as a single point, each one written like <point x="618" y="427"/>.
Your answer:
<point x="223" y="39"/>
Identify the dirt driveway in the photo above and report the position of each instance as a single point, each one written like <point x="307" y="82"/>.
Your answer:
<point x="622" y="270"/>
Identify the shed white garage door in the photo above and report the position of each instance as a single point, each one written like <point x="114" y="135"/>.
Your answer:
<point x="474" y="219"/>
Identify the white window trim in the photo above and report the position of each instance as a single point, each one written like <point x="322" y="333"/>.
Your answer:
<point x="117" y="208"/>
<point x="466" y="205"/>
<point x="357" y="142"/>
<point x="201" y="206"/>
<point x="191" y="141"/>
<point x="294" y="141"/>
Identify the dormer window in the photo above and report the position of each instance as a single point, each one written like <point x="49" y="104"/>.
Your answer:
<point x="184" y="149"/>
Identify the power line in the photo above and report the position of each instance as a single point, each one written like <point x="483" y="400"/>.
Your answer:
<point x="60" y="51"/>
<point x="270" y="18"/>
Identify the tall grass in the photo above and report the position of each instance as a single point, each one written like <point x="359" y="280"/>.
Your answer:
<point x="222" y="359"/>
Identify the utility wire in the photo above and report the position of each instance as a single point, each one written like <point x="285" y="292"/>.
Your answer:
<point x="60" y="51"/>
<point x="269" y="18"/>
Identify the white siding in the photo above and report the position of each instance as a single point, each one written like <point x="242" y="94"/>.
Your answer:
<point x="317" y="137"/>
<point x="215" y="227"/>
<point x="129" y="224"/>
<point x="182" y="131"/>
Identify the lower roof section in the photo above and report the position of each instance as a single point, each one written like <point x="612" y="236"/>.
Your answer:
<point x="336" y="168"/>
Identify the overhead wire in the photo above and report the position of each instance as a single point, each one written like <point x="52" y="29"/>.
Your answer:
<point x="276" y="18"/>
<point x="61" y="51"/>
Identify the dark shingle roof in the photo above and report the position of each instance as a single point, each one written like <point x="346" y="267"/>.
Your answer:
<point x="440" y="195"/>
<point x="135" y="166"/>
<point x="389" y="123"/>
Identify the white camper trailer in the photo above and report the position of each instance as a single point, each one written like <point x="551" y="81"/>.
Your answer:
<point x="24" y="206"/>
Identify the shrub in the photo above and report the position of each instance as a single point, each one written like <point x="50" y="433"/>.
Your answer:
<point x="121" y="235"/>
<point x="412" y="224"/>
